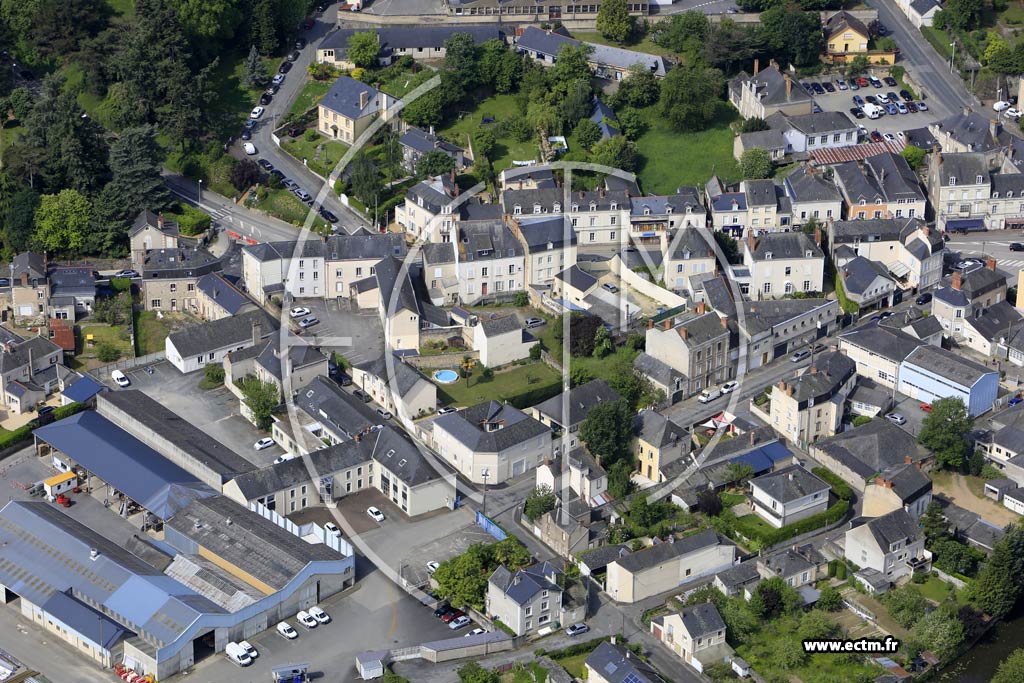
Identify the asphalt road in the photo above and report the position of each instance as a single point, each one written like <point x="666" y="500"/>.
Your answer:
<point x="995" y="244"/>
<point x="944" y="92"/>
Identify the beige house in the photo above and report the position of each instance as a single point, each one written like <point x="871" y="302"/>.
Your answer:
<point x="688" y="257"/>
<point x="900" y="486"/>
<point x="502" y="341"/>
<point x="967" y="294"/>
<point x="429" y="212"/>
<point x="150" y="231"/>
<point x="696" y="345"/>
<point x="267" y="363"/>
<point x="811" y="406"/>
<point x="598" y="217"/>
<point x="30" y="288"/>
<point x="29" y="371"/>
<point x="788" y="495"/>
<point x="390" y="291"/>
<point x="526" y="600"/>
<point x="878" y="351"/>
<point x="667" y="565"/>
<point x="892" y="545"/>
<point x="489" y="262"/>
<point x="783" y="263"/>
<point x="349" y="108"/>
<point x="550" y="244"/>
<point x="491" y="442"/>
<point x="439" y="273"/>
<point x="697" y="634"/>
<point x="659" y="442"/>
<point x="273" y="269"/>
<point x="217" y="298"/>
<point x="350" y="258"/>
<point x="400" y="389"/>
<point x="768" y="91"/>
<point x="846" y="35"/>
<point x="170" y="278"/>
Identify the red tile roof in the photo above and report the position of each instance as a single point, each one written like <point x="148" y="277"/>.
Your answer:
<point x="837" y="155"/>
<point x="62" y="334"/>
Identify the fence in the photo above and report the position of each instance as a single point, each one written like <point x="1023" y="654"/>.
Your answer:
<point x="488" y="525"/>
<point x="663" y="296"/>
<point x="441" y="360"/>
<point x="128" y="363"/>
<point x="949" y="578"/>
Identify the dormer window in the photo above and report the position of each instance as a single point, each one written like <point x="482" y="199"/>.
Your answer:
<point x="647" y="211"/>
<point x="863" y="203"/>
<point x="668" y="209"/>
<point x="557" y="207"/>
<point x="419" y="200"/>
<point x="1009" y="194"/>
<point x="593" y="206"/>
<point x="536" y="208"/>
<point x="575" y="207"/>
<point x="615" y="206"/>
<point x="768" y="255"/>
<point x="952" y="180"/>
<point x="517" y="209"/>
<point x="978" y="180"/>
<point x="808" y="254"/>
<point x="995" y="195"/>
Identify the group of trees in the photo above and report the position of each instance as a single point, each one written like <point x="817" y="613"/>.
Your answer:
<point x="462" y="580"/>
<point x="608" y="433"/>
<point x="950" y="555"/>
<point x="944" y="431"/>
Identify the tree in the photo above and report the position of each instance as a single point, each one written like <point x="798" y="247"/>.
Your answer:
<point x="620" y="482"/>
<point x="587" y="134"/>
<point x="816" y="625"/>
<point x="831" y="600"/>
<point x="541" y="500"/>
<point x="739" y="473"/>
<point x="260" y="398"/>
<point x="631" y="123"/>
<point x="460" y="60"/>
<point x="254" y="72"/>
<point x="954" y="557"/>
<point x="998" y="586"/>
<point x="728" y="245"/>
<point x="136" y="162"/>
<point x="906" y="605"/>
<point x="21" y="102"/>
<point x="858" y="65"/>
<point x="474" y="673"/>
<point x="933" y="523"/>
<point x="499" y="67"/>
<point x="963" y="15"/>
<point x="463" y="579"/>
<point x="773" y="598"/>
<point x="640" y="87"/>
<point x="941" y="631"/>
<point x="793" y="36"/>
<point x="579" y="374"/>
<point x="570" y="67"/>
<point x="511" y="553"/>
<point x="608" y="430"/>
<point x="684" y="33"/>
<point x="582" y="330"/>
<point x="603" y="344"/>
<point x="19" y="220"/>
<point x="709" y="503"/>
<point x="689" y="96"/>
<point x="366" y="180"/>
<point x="263" y="28"/>
<point x="391" y="677"/>
<point x="1011" y="669"/>
<point x="62" y="220"/>
<point x="543" y="116"/>
<point x="945" y="430"/>
<point x="245" y="174"/>
<point x="425" y="110"/>
<point x="577" y="103"/>
<point x="913" y="155"/>
<point x="753" y="124"/>
<point x="755" y="163"/>
<point x="617" y="152"/>
<point x="107" y="352"/>
<point x="730" y="45"/>
<point x="485" y="144"/>
<point x="363" y="47"/>
<point x="434" y="163"/>
<point x="614" y="21"/>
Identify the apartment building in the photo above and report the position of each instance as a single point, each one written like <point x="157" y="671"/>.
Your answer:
<point x="783" y="263"/>
<point x="490" y="263"/>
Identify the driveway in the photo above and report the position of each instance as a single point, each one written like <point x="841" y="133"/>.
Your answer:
<point x="355" y="334"/>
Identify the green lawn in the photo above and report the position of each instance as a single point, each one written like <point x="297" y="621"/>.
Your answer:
<point x="312" y="92"/>
<point x="301" y="148"/>
<point x="671" y="158"/>
<point x="500" y="107"/>
<point x="730" y="499"/>
<point x="150" y="333"/>
<point x="939" y="39"/>
<point x="115" y="335"/>
<point x="286" y="206"/>
<point x="399" y="83"/>
<point x="232" y="100"/>
<point x="574" y="664"/>
<point x="934" y="589"/>
<point x="526" y="381"/>
<point x="122" y="8"/>
<point x="597" y="367"/>
<point x="645" y="44"/>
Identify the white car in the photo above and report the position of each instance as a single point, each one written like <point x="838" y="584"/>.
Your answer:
<point x="306" y="619"/>
<point x="432" y="566"/>
<point x="1013" y="113"/>
<point x="278" y="79"/>
<point x="896" y="418"/>
<point x="384" y="414"/>
<point x="247" y="646"/>
<point x="475" y="632"/>
<point x="445" y="411"/>
<point x="459" y="622"/>
<point x="298" y="312"/>
<point x="1001" y="105"/>
<point x="249" y="148"/>
<point x="256" y="113"/>
<point x="120" y="379"/>
<point x="375" y="514"/>
<point x="320" y="615"/>
<point x="729" y="387"/>
<point x="577" y="629"/>
<point x="285" y="629"/>
<point x="263" y="444"/>
<point x="332" y="529"/>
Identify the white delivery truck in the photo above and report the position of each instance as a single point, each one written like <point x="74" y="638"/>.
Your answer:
<point x="873" y="111"/>
<point x="238" y="654"/>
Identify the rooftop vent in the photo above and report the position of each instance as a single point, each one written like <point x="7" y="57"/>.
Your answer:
<point x="93" y="553"/>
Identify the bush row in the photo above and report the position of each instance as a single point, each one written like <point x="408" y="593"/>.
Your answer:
<point x="24" y="433"/>
<point x="770" y="537"/>
<point x="839" y="487"/>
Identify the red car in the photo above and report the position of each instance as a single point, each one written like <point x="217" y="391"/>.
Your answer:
<point x="875" y="136"/>
<point x="863" y="82"/>
<point x="454" y="614"/>
<point x="926" y="407"/>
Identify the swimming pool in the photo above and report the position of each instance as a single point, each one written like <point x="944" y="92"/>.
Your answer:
<point x="446" y="376"/>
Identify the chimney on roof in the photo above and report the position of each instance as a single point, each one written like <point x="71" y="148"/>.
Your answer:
<point x="789" y="85"/>
<point x="600" y="192"/>
<point x="814" y="369"/>
<point x="257" y="331"/>
<point x="581" y="194"/>
<point x="782" y="384"/>
<point x="650" y="323"/>
<point x="757" y="65"/>
<point x="682" y="330"/>
<point x="907" y="459"/>
<point x="24" y="279"/>
<point x="725" y="322"/>
<point x="612" y="639"/>
<point x="597" y="459"/>
<point x="957" y="280"/>
<point x="160" y="221"/>
<point x="817" y="235"/>
<point x="93" y="553"/>
<point x="364" y="97"/>
<point x="791" y="476"/>
<point x="789" y="390"/>
<point x="753" y="437"/>
<point x="520" y="184"/>
<point x="991" y="264"/>
<point x="994" y="128"/>
<point x="751" y="242"/>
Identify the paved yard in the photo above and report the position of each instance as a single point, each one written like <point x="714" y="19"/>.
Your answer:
<point x="356" y="335"/>
<point x="954" y="487"/>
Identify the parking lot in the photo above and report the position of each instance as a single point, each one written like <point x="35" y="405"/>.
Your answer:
<point x="842" y="100"/>
<point x="355" y="334"/>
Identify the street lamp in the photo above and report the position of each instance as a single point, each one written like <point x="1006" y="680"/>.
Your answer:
<point x="485" y="474"/>
<point x="952" y="57"/>
<point x="200" y="192"/>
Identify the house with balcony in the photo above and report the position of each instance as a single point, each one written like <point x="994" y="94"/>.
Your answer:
<point x="696" y="634"/>
<point x="910" y="251"/>
<point x="811" y="405"/>
<point x="490" y="263"/>
<point x="654" y="217"/>
<point x="782" y="263"/>
<point x="809" y="132"/>
<point x="788" y="495"/>
<point x="891" y="545"/>
<point x="960" y="185"/>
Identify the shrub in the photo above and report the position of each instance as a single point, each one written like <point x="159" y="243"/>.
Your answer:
<point x="107" y="353"/>
<point x="754" y="531"/>
<point x="839" y="487"/>
<point x="311" y="135"/>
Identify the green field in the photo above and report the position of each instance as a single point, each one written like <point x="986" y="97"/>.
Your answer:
<point x="122" y="8"/>
<point x="311" y="93"/>
<point x="286" y="206"/>
<point x="671" y="158"/>
<point x="596" y="367"/>
<point x="401" y="82"/>
<point x="536" y="378"/>
<point x="500" y="107"/>
<point x="116" y="335"/>
<point x="150" y="333"/>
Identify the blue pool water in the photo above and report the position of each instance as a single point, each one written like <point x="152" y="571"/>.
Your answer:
<point x="446" y="376"/>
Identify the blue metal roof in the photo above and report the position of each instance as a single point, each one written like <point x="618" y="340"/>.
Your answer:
<point x="763" y="458"/>
<point x="84" y="389"/>
<point x="124" y="462"/>
<point x="84" y="620"/>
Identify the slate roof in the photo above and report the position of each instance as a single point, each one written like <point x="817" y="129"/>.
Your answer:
<point x="405" y="376"/>
<point x="600" y="557"/>
<point x="466" y="426"/>
<point x="1007" y="184"/>
<point x="343" y="98"/>
<point x="410" y="36"/>
<point x="147" y="218"/>
<point x="1009" y="437"/>
<point x="577" y="278"/>
<point x="871" y="448"/>
<point x="654" y="555"/>
<point x="475" y="210"/>
<point x="543" y="42"/>
<point x="300" y="353"/>
<point x="248" y="541"/>
<point x="759" y="192"/>
<point x="281" y="250"/>
<point x="327" y="404"/>
<point x="18" y="357"/>
<point x="814" y="123"/>
<point x="438" y="253"/>
<point x="178" y="263"/>
<point x="770" y="139"/>
<point x="422" y="141"/>
<point x="892" y="528"/>
<point x="738" y="575"/>
<point x="541" y="176"/>
<point x="922" y="7"/>
<point x="809" y="185"/>
<point x="895" y="177"/>
<point x="965" y="167"/>
<point x="581" y="401"/>
<point x="870" y="393"/>
<point x="222" y="293"/>
<point x="656" y="370"/>
<point x="388" y="271"/>
<point x="789" y="484"/>
<point x="890" y="344"/>
<point x="433" y="193"/>
<point x="907" y="481"/>
<point x="729" y="201"/>
<point x="523" y="586"/>
<point x="860" y="273"/>
<point x="996" y="321"/>
<point x="499" y="326"/>
<point x="972" y="130"/>
<point x="663" y="205"/>
<point x="785" y="245"/>
<point x="617" y="664"/>
<point x="217" y="334"/>
<point x="793" y="561"/>
<point x="948" y="365"/>
<point x="482" y="241"/>
<point x="857" y="185"/>
<point x="690" y="241"/>
<point x="701" y="329"/>
<point x="842" y="20"/>
<point x="541" y="231"/>
<point x="973" y="283"/>
<point x="701" y="620"/>
<point x="658" y="430"/>
<point x="831" y="371"/>
<point x="364" y="247"/>
<point x="75" y="282"/>
<point x="771" y="87"/>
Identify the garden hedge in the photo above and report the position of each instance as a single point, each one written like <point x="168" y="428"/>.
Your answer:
<point x="770" y="537"/>
<point x="839" y="487"/>
<point x="24" y="433"/>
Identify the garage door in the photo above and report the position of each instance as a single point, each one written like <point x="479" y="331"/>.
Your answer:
<point x="518" y="467"/>
<point x="25" y="310"/>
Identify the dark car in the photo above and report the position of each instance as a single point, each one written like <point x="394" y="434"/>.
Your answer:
<point x="246" y="134"/>
<point x="893" y="97"/>
<point x="442" y="609"/>
<point x="875" y="136"/>
<point x="889" y="81"/>
<point x="265" y="98"/>
<point x="871" y="99"/>
<point x="828" y="87"/>
<point x="277" y="173"/>
<point x="284" y="68"/>
<point x="5" y="282"/>
<point x="45" y="415"/>
<point x="858" y="100"/>
<point x="1016" y="246"/>
<point x="884" y="314"/>
<point x="452" y="615"/>
<point x="300" y="43"/>
<point x="911" y="107"/>
<point x="265" y="165"/>
<point x="344" y="380"/>
<point x="309" y="23"/>
<point x="882" y="30"/>
<point x="293" y="56"/>
<point x="816" y="87"/>
<point x="328" y="215"/>
<point x="361" y="395"/>
<point x="272" y="89"/>
<point x="905" y="94"/>
<point x="857" y="112"/>
<point x="923" y="299"/>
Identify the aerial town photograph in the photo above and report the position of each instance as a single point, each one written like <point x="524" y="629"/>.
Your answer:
<point x="497" y="341"/>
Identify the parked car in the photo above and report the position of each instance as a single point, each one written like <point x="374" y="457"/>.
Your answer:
<point x="475" y="632"/>
<point x="384" y="414"/>
<point x="841" y="84"/>
<point x="445" y="411"/>
<point x="452" y="616"/>
<point x="816" y="108"/>
<point x="300" y="43"/>
<point x="853" y="84"/>
<point x="896" y="418"/>
<point x="293" y="55"/>
<point x="905" y="94"/>
<point x="857" y="112"/>
<point x="858" y="100"/>
<point x="1016" y="246"/>
<point x="237" y="654"/>
<point x="828" y="87"/>
<point x="902" y="108"/>
<point x="921" y="106"/>
<point x="875" y="83"/>
<point x="818" y="88"/>
<point x="299" y="312"/>
<point x="246" y="134"/>
<point x="247" y="646"/>
<point x="441" y="609"/>
<point x="1012" y="113"/>
<point x="889" y="136"/>
<point x="432" y="566"/>
<point x="1001" y="105"/>
<point x="321" y="616"/>
<point x="459" y="622"/>
<point x="609" y="287"/>
<point x="576" y="629"/>
<point x="863" y="82"/>
<point x="266" y="98"/>
<point x="891" y="110"/>
<point x="875" y="136"/>
<point x="709" y="395"/>
<point x="1015" y="400"/>
<point x="535" y="322"/>
<point x="303" y="195"/>
<point x="912" y="107"/>
<point x="272" y="88"/>
<point x="263" y="444"/>
<point x="306" y="619"/>
<point x="285" y="629"/>
<point x="729" y="387"/>
<point x="284" y="68"/>
<point x="332" y="529"/>
<point x="890" y="81"/>
<point x="309" y="322"/>
<point x="799" y="356"/>
<point x="249" y="148"/>
<point x="375" y="514"/>
<point x="120" y="379"/>
<point x="926" y="407"/>
<point x="361" y="395"/>
<point x="278" y="79"/>
<point x="127" y="272"/>
<point x="923" y="299"/>
<point x="328" y="215"/>
<point x="265" y="165"/>
<point x="344" y="380"/>
<point x="256" y="112"/>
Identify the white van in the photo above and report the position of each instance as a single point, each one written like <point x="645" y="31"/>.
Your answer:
<point x="238" y="654"/>
<point x="709" y="395"/>
<point x="873" y="111"/>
